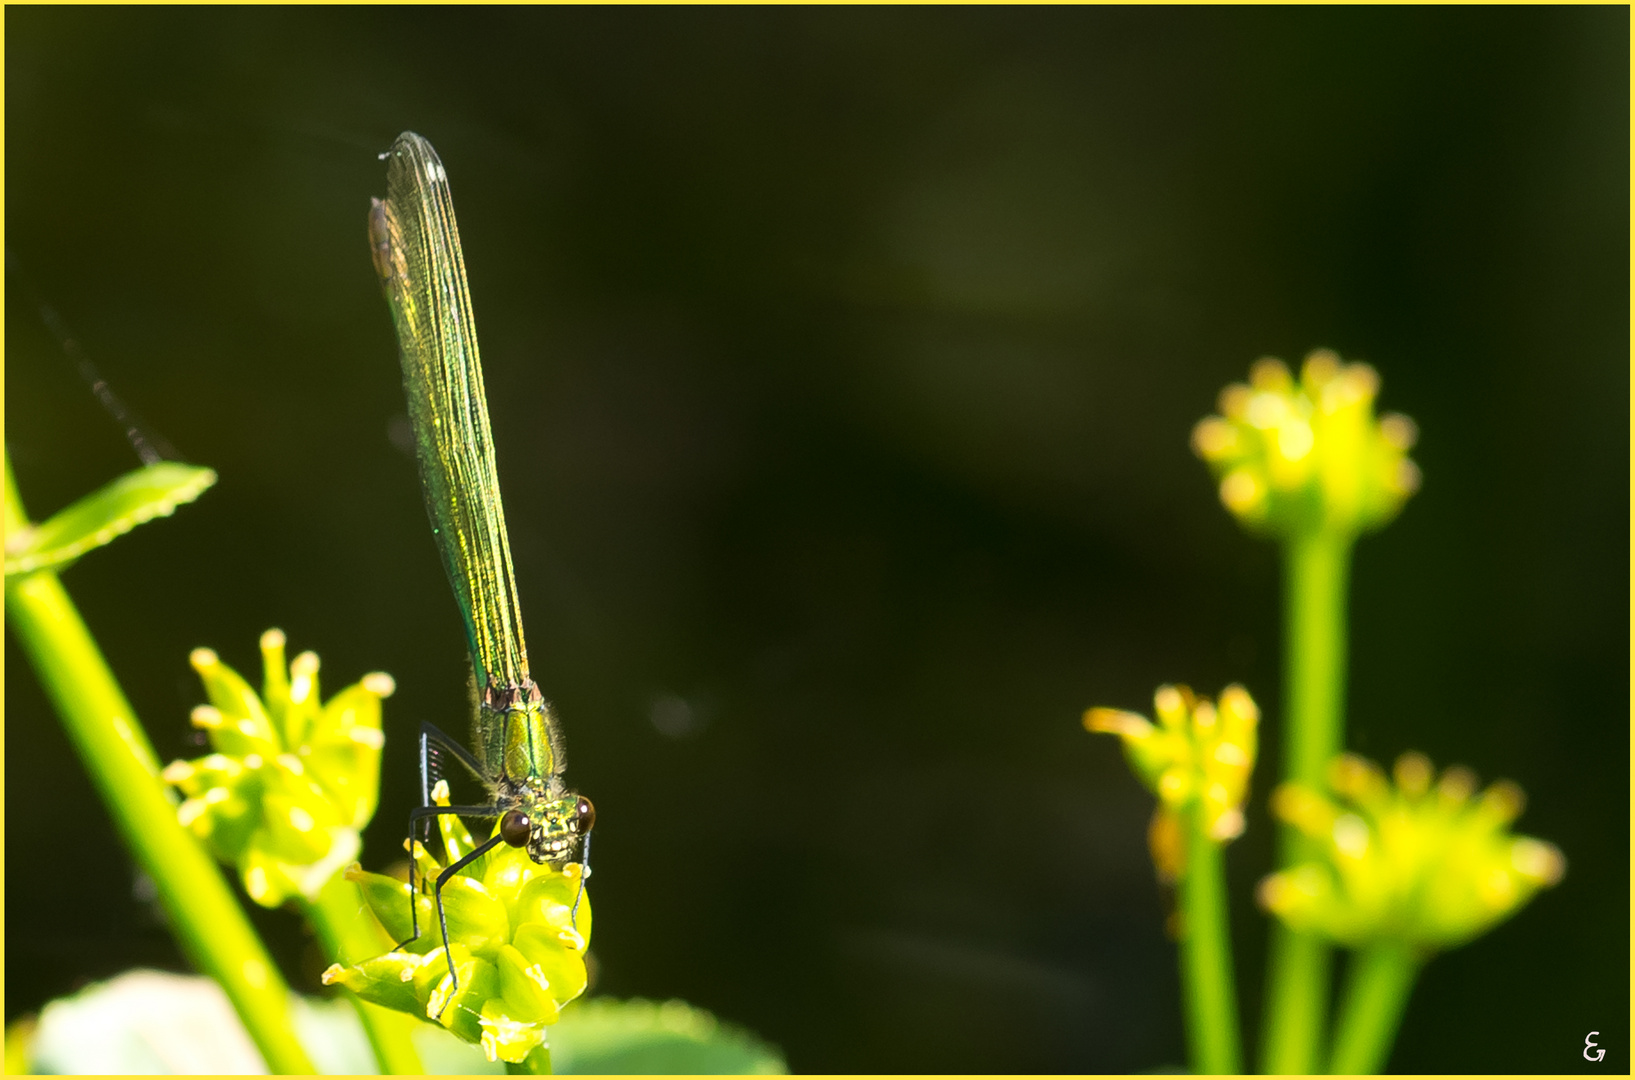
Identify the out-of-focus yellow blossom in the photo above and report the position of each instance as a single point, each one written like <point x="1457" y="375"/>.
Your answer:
<point x="1428" y="864"/>
<point x="1294" y="457"/>
<point x="1195" y="756"/>
<point x="290" y="781"/>
<point x="517" y="932"/>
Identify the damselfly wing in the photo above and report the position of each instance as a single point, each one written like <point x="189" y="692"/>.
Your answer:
<point x="516" y="742"/>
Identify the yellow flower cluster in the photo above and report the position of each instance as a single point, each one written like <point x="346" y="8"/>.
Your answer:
<point x="1196" y="756"/>
<point x="1300" y="456"/>
<point x="290" y="781"/>
<point x="1429" y="864"/>
<point x="517" y="934"/>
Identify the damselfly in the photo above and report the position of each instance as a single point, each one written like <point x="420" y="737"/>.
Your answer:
<point x="518" y="745"/>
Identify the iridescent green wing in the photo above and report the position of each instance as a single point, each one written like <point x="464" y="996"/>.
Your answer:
<point x="417" y="254"/>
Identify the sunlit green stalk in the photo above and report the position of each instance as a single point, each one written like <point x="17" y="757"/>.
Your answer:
<point x="1316" y="572"/>
<point x="1377" y="990"/>
<point x="208" y="922"/>
<point x="349" y="934"/>
<point x="1296" y="1001"/>
<point x="1206" y="955"/>
<point x="1316" y="577"/>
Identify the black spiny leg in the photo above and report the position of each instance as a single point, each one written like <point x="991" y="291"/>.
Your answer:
<point x="431" y="735"/>
<point x="584" y="872"/>
<point x="426" y="813"/>
<point x="442" y="916"/>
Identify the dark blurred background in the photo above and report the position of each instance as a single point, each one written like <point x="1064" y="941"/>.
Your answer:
<point x="842" y="364"/>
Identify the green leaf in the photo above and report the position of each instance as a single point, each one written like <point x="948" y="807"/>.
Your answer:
<point x="605" y="1035"/>
<point x="115" y="509"/>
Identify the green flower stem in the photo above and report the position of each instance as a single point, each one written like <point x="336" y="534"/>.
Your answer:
<point x="208" y="922"/>
<point x="537" y="1063"/>
<point x="1206" y="954"/>
<point x="1316" y="576"/>
<point x="1377" y="989"/>
<point x="350" y="934"/>
<point x="1296" y="1000"/>
<point x="1316" y="573"/>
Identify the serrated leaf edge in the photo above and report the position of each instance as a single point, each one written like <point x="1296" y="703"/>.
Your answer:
<point x="28" y="561"/>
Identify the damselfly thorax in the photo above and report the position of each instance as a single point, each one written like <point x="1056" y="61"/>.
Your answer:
<point x="520" y="746"/>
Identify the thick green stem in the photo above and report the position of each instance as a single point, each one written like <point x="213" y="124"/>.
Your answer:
<point x="207" y="920"/>
<point x="1376" y="993"/>
<point x="1316" y="573"/>
<point x="1296" y="1002"/>
<point x="1206" y="955"/>
<point x="350" y="934"/>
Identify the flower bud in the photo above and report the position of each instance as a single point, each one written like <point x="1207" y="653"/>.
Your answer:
<point x="517" y="932"/>
<point x="1429" y="864"/>
<point x="291" y="781"/>
<point x="1197" y="755"/>
<point x="1308" y="455"/>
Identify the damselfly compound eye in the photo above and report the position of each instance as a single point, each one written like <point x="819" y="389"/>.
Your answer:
<point x="584" y="816"/>
<point x="515" y="827"/>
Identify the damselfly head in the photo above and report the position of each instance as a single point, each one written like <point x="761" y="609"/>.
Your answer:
<point x="556" y="829"/>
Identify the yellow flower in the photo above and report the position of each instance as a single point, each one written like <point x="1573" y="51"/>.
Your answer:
<point x="1430" y="865"/>
<point x="517" y="934"/>
<point x="1309" y="455"/>
<point x="290" y="782"/>
<point x="1196" y="755"/>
